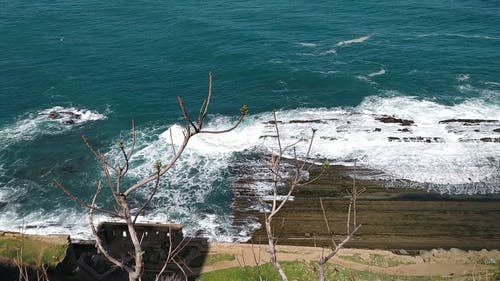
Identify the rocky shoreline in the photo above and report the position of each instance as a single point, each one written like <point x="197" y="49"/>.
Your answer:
<point x="392" y="218"/>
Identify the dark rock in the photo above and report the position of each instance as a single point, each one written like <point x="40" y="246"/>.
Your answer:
<point x="69" y="118"/>
<point x="2" y="205"/>
<point x="417" y="139"/>
<point x="490" y="139"/>
<point x="401" y="252"/>
<point x="467" y="121"/>
<point x="221" y="230"/>
<point x="377" y="130"/>
<point x="70" y="114"/>
<point x="272" y="122"/>
<point x="496" y="130"/>
<point x="306" y="121"/>
<point x="268" y="136"/>
<point x="70" y="169"/>
<point x="54" y="115"/>
<point x="405" y="130"/>
<point x="328" y="138"/>
<point x="392" y="119"/>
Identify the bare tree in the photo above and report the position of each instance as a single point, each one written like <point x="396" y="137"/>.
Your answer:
<point x="291" y="179"/>
<point x="115" y="173"/>
<point x="351" y="226"/>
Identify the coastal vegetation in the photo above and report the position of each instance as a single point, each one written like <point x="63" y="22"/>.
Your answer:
<point x="300" y="263"/>
<point x="32" y="250"/>
<point x="303" y="271"/>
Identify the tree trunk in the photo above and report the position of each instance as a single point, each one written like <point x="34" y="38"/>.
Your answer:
<point x="321" y="272"/>
<point x="272" y="250"/>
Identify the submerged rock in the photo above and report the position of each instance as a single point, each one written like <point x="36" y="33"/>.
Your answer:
<point x="417" y="139"/>
<point x="495" y="140"/>
<point x="63" y="114"/>
<point x="67" y="117"/>
<point x="467" y="121"/>
<point x="306" y="121"/>
<point x="490" y="139"/>
<point x="392" y="119"/>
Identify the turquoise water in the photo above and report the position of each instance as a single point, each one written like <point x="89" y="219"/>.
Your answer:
<point x="346" y="61"/>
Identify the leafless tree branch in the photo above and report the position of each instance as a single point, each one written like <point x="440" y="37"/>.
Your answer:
<point x="122" y="209"/>
<point x="292" y="183"/>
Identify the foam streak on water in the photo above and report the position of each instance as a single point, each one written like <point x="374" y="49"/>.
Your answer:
<point x="352" y="41"/>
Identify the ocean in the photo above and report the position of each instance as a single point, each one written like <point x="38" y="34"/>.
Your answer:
<point x="342" y="65"/>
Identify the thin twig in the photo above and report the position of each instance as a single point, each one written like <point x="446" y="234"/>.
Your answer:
<point x="330" y="232"/>
<point x="153" y="192"/>
<point x="172" y="141"/>
<point x="204" y="108"/>
<point x="83" y="204"/>
<point x="189" y="122"/>
<point x="98" y="239"/>
<point x="132" y="146"/>
<point x="339" y="246"/>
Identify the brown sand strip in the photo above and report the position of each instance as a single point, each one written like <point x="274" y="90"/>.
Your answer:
<point x="432" y="263"/>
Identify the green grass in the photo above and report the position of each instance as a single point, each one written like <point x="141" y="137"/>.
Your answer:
<point x="302" y="271"/>
<point x="354" y="258"/>
<point x="215" y="258"/>
<point x="35" y="252"/>
<point x="375" y="260"/>
<point x="295" y="271"/>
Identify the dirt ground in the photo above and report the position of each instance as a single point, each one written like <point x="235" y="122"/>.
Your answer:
<point x="450" y="263"/>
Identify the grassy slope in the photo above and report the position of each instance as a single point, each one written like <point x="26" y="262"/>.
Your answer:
<point x="36" y="250"/>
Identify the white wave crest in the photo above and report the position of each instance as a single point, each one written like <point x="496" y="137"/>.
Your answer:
<point x="344" y="134"/>
<point x="329" y="52"/>
<point x="463" y="77"/>
<point x="380" y="72"/>
<point x="306" y="44"/>
<point x="349" y="42"/>
<point x="469" y="36"/>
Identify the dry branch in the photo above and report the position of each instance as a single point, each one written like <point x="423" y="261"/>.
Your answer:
<point x="292" y="183"/>
<point x="114" y="182"/>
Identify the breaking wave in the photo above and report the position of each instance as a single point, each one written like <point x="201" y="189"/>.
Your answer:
<point x="49" y="121"/>
<point x="380" y="72"/>
<point x="445" y="157"/>
<point x="448" y="157"/>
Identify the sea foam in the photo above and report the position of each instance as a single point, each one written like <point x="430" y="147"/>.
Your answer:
<point x="32" y="125"/>
<point x="349" y="42"/>
<point x="204" y="172"/>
